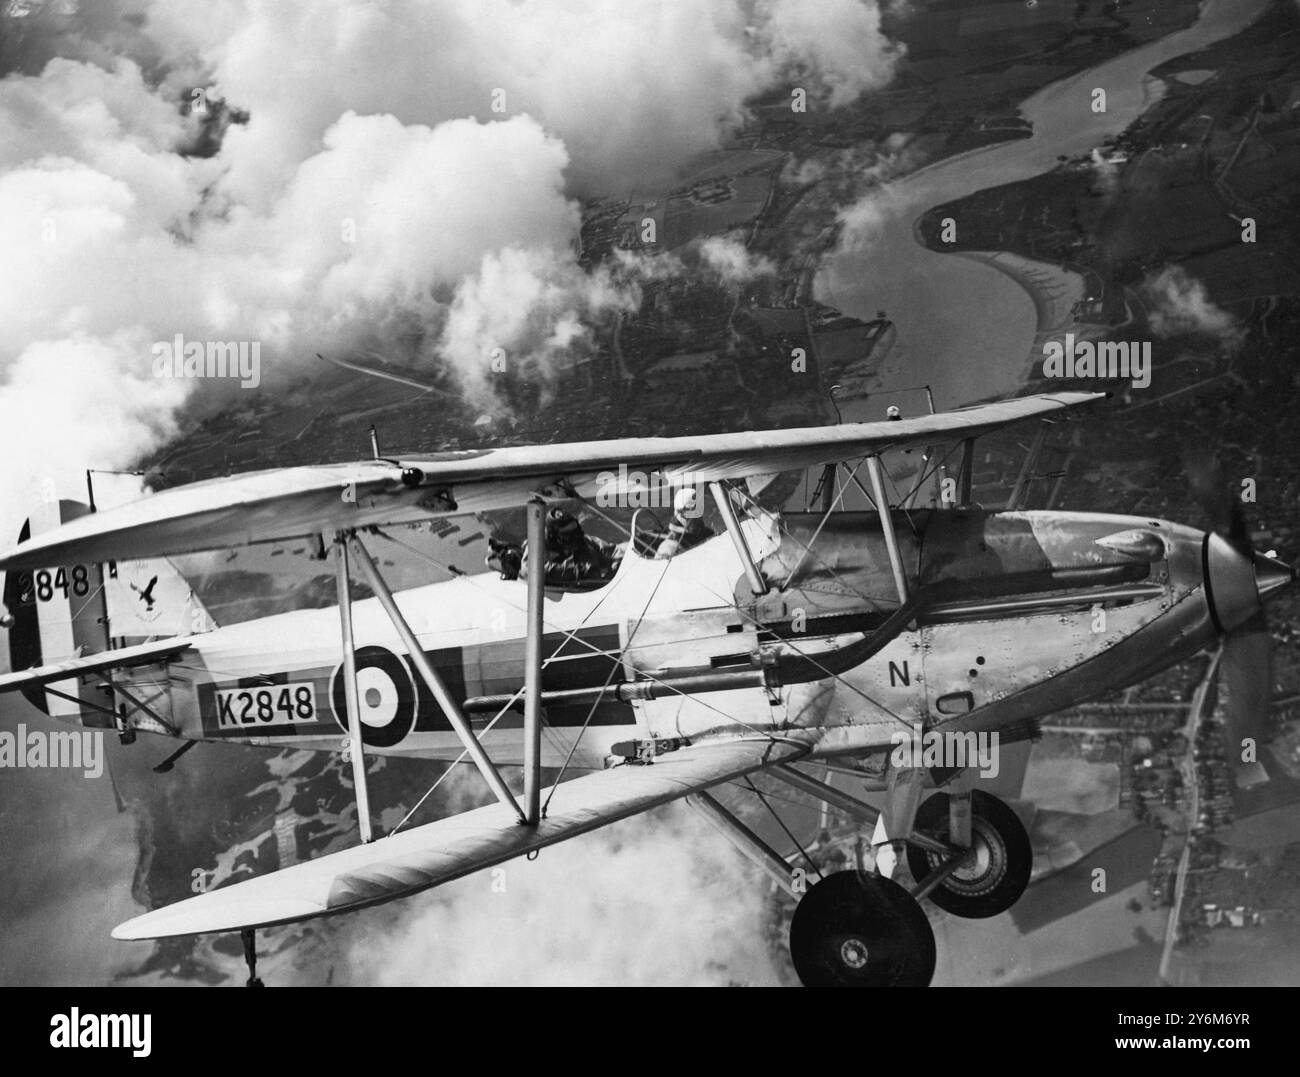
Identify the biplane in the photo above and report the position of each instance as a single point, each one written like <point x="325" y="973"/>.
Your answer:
<point x="770" y="642"/>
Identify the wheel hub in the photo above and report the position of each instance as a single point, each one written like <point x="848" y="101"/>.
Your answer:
<point x="853" y="952"/>
<point x="984" y="866"/>
<point x="977" y="862"/>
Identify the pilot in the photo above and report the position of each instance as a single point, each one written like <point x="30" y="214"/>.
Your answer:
<point x="573" y="556"/>
<point x="687" y="528"/>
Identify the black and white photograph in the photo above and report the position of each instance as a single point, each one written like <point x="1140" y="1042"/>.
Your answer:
<point x="651" y="493"/>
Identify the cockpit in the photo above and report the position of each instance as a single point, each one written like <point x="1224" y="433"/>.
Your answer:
<point x="830" y="565"/>
<point x="579" y="561"/>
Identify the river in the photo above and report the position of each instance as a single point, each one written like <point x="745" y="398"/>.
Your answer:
<point x="969" y="326"/>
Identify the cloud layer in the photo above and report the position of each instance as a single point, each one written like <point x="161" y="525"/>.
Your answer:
<point x="402" y="165"/>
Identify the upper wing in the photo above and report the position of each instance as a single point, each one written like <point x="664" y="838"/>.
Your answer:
<point x="447" y="849"/>
<point x="142" y="655"/>
<point x="286" y="503"/>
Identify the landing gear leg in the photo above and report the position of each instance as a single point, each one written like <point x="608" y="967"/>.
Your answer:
<point x="902" y="799"/>
<point x="125" y="734"/>
<point x="249" y="938"/>
<point x="853" y="928"/>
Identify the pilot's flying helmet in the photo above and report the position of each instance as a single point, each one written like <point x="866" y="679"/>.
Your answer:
<point x="562" y="529"/>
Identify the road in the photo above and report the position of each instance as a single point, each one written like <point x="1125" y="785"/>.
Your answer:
<point x="1195" y="715"/>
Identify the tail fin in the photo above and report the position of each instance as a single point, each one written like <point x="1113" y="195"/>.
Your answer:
<point x="147" y="599"/>
<point x="150" y="599"/>
<point x="78" y="610"/>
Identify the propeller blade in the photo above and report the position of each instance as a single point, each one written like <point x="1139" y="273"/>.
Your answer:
<point x="1239" y="529"/>
<point x="1224" y="512"/>
<point x="1246" y="675"/>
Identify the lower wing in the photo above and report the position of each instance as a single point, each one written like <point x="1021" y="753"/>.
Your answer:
<point x="438" y="852"/>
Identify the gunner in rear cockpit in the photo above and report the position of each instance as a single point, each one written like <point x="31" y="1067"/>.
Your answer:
<point x="687" y="528"/>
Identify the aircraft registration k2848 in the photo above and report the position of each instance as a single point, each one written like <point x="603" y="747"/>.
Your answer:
<point x="688" y="659"/>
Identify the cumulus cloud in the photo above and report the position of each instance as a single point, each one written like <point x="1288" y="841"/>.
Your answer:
<point x="401" y="161"/>
<point x="529" y="311"/>
<point x="863" y="178"/>
<point x="631" y="90"/>
<point x="532" y="310"/>
<point x="838" y="43"/>
<point x="114" y="240"/>
<point x="91" y="192"/>
<point x="1179" y="304"/>
<point x="88" y="390"/>
<point x="101" y="32"/>
<point x="861" y="222"/>
<point x="1106" y="173"/>
<point x="733" y="261"/>
<point x="657" y="900"/>
<point x="385" y="213"/>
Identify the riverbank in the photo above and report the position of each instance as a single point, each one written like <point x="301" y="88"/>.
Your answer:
<point x="1056" y="293"/>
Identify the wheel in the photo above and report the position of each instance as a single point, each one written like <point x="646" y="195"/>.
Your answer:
<point x="853" y="929"/>
<point x="996" y="878"/>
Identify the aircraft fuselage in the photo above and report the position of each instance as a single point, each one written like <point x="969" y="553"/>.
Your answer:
<point x="1024" y="613"/>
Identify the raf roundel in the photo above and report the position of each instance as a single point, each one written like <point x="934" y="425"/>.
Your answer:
<point x="386" y="695"/>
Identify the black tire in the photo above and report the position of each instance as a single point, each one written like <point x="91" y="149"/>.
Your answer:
<point x="1005" y="858"/>
<point x="854" y="929"/>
